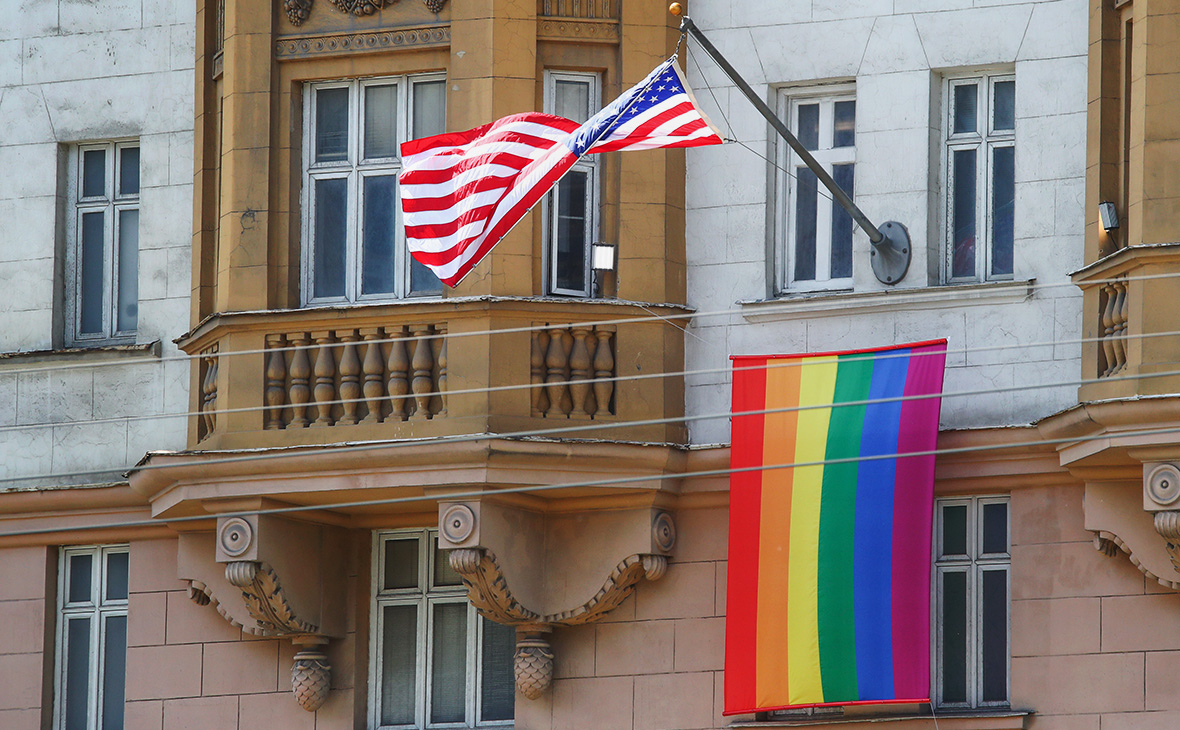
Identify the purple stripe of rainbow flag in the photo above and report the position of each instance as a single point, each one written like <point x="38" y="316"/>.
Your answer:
<point x="829" y="565"/>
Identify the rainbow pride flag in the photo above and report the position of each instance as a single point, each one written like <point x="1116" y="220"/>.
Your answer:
<point x="829" y="563"/>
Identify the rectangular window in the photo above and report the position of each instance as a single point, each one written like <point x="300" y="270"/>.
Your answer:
<point x="354" y="243"/>
<point x="102" y="256"/>
<point x="572" y="207"/>
<point x="980" y="134"/>
<point x="814" y="232"/>
<point x="91" y="638"/>
<point x="972" y="564"/>
<point x="436" y="662"/>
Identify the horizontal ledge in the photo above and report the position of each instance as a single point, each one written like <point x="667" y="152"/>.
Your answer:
<point x="1006" y="720"/>
<point x="830" y="304"/>
<point x="20" y="360"/>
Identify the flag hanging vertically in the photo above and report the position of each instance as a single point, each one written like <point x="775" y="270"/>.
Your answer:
<point x="829" y="564"/>
<point x="463" y="191"/>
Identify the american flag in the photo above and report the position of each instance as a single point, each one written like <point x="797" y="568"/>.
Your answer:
<point x="462" y="192"/>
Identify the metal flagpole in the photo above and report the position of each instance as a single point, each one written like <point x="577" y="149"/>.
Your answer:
<point x="891" y="242"/>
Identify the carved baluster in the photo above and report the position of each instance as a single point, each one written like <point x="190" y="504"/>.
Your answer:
<point x="537" y="373"/>
<point x="579" y="371"/>
<point x="325" y="378"/>
<point x="299" y="393"/>
<point x="604" y="367"/>
<point x="350" y="378"/>
<point x="423" y="363"/>
<point x="1108" y="330"/>
<point x="209" y="391"/>
<point x="398" y="367"/>
<point x="577" y="8"/>
<point x="372" y="369"/>
<point x="591" y="405"/>
<point x="442" y="376"/>
<point x="1120" y="326"/>
<point x="557" y="382"/>
<point x="276" y="379"/>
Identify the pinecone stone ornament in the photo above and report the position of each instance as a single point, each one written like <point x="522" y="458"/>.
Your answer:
<point x="533" y="666"/>
<point x="311" y="677"/>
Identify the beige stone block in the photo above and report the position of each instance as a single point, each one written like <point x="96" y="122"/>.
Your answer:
<point x="201" y="713"/>
<point x="573" y="651"/>
<point x="686" y="591"/>
<point x="1066" y="570"/>
<point x="189" y="623"/>
<point x="342" y="654"/>
<point x="241" y="667"/>
<point x="279" y="710"/>
<point x="22" y="573"/>
<point x="699" y="645"/>
<point x="1062" y="722"/>
<point x="534" y="714"/>
<point x="21" y="719"/>
<point x="1141" y="721"/>
<point x="1079" y="684"/>
<point x="146" y="715"/>
<point x="640" y="647"/>
<point x="1048" y="514"/>
<point x="601" y="703"/>
<point x="21" y="674"/>
<point x="1141" y="623"/>
<point x="674" y="701"/>
<point x="722" y="587"/>
<point x="153" y="566"/>
<point x="701" y="534"/>
<point x="146" y="618"/>
<point x="1159" y="684"/>
<point x="163" y="672"/>
<point x="1057" y="626"/>
<point x="22" y="626"/>
<point x="339" y="711"/>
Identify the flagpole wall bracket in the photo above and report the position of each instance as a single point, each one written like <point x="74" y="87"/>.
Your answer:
<point x="891" y="255"/>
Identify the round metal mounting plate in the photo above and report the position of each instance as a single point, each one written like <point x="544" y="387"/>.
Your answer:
<point x="891" y="257"/>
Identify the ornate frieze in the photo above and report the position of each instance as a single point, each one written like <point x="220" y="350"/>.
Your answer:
<point x="575" y="29"/>
<point x="376" y="41"/>
<point x="300" y="10"/>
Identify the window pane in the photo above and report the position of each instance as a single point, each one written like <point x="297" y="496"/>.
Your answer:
<point x="381" y="121"/>
<point x="954" y="637"/>
<point x="571" y="232"/>
<point x="995" y="528"/>
<point x="963" y="213"/>
<point x="498" y="688"/>
<point x="966" y="101"/>
<point x="809" y="126"/>
<point x="954" y="529"/>
<point x="805" y="210"/>
<point x="77" y="679"/>
<point x="448" y="681"/>
<point x="331" y="210"/>
<point x="1003" y="203"/>
<point x="129" y="171"/>
<point x="116" y="577"/>
<point x="401" y="564"/>
<point x="377" y="272"/>
<point x="81" y="574"/>
<point x="572" y="100"/>
<point x="422" y="279"/>
<point x="399" y="649"/>
<point x="94" y="173"/>
<point x="995" y="635"/>
<point x="331" y="125"/>
<point x="430" y="108"/>
<point x="1004" y="106"/>
<point x="844" y="124"/>
<point x="444" y="574"/>
<point x="842" y="225"/>
<point x="127" y="312"/>
<point x="90" y="298"/>
<point x="114" y="671"/>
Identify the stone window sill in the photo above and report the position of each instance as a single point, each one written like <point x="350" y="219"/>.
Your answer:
<point x="832" y="304"/>
<point x="998" y="720"/>
<point x="79" y="355"/>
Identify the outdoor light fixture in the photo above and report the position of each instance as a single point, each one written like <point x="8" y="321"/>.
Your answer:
<point x="1109" y="217"/>
<point x="602" y="256"/>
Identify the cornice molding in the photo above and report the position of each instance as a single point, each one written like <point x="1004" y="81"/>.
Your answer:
<point x="381" y="41"/>
<point x="578" y="29"/>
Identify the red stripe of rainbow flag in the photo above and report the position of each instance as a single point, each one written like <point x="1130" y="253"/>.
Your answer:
<point x="829" y="565"/>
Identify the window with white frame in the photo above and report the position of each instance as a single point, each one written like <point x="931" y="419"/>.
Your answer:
<point x="102" y="253"/>
<point x="435" y="661"/>
<point x="572" y="207"/>
<point x="972" y="563"/>
<point x="91" y="638"/>
<point x="814" y="232"/>
<point x="980" y="136"/>
<point x="353" y="240"/>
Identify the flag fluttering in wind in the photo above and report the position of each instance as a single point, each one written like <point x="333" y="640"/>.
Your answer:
<point x="829" y="563"/>
<point x="463" y="191"/>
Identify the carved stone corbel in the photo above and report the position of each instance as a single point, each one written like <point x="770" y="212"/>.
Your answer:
<point x="1167" y="524"/>
<point x="264" y="597"/>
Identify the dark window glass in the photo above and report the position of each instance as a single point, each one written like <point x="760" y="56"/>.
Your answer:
<point x="448" y="680"/>
<point x="444" y="574"/>
<point x="809" y="126"/>
<point x="77" y="680"/>
<point x="380" y="121"/>
<point x="331" y="213"/>
<point x="844" y="124"/>
<point x="498" y="693"/>
<point x="965" y="110"/>
<point x="805" y="211"/>
<point x="401" y="564"/>
<point x="94" y="173"/>
<point x="91" y="274"/>
<point x="377" y="272"/>
<point x="995" y="635"/>
<point x="963" y="213"/>
<point x="571" y="232"/>
<point x="954" y="637"/>
<point x="954" y="529"/>
<point x="129" y="171"/>
<point x="331" y="125"/>
<point x="995" y="528"/>
<point x="1003" y="202"/>
<point x="422" y="279"/>
<point x="1004" y="107"/>
<point x="127" y="300"/>
<point x="81" y="578"/>
<point x="399" y="649"/>
<point x="117" y="577"/>
<point x="114" y="672"/>
<point x="842" y="225"/>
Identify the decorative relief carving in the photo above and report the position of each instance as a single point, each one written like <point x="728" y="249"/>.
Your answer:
<point x="457" y="523"/>
<point x="311" y="678"/>
<point x="1102" y="542"/>
<point x="300" y="10"/>
<point x="593" y="31"/>
<point x="264" y="598"/>
<point x="1167" y="524"/>
<point x="384" y="40"/>
<point x="202" y="595"/>
<point x="532" y="664"/>
<point x="297" y="10"/>
<point x="361" y="7"/>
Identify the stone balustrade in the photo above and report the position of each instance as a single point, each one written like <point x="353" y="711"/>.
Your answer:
<point x="589" y="9"/>
<point x="207" y="368"/>
<point x="572" y="371"/>
<point x="1113" y="330"/>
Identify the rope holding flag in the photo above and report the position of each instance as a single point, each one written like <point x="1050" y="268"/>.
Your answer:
<point x="462" y="192"/>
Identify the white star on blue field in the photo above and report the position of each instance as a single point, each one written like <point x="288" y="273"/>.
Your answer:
<point x="664" y="86"/>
